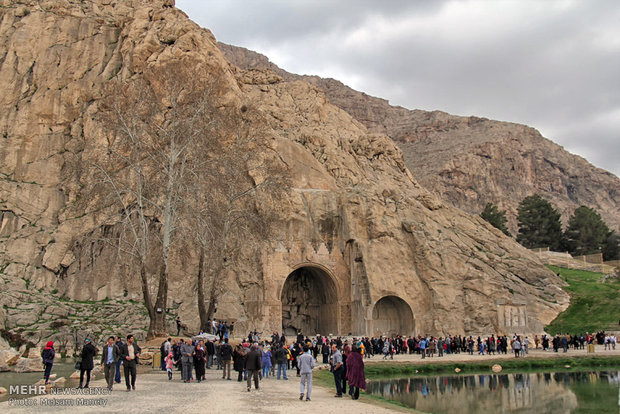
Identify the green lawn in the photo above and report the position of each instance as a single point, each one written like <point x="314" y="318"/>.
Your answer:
<point x="594" y="305"/>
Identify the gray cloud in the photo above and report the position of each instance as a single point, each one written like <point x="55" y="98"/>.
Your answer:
<point x="552" y="65"/>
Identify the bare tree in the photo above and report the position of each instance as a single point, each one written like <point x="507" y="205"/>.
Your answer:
<point x="153" y="124"/>
<point x="240" y="170"/>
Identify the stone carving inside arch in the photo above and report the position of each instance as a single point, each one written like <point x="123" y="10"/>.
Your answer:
<point x="309" y="303"/>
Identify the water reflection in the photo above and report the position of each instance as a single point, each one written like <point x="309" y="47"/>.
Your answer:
<point x="522" y="392"/>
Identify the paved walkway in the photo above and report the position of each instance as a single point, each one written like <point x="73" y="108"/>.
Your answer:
<point x="156" y="394"/>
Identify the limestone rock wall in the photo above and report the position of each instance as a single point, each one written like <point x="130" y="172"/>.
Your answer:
<point x="470" y="161"/>
<point x="355" y="214"/>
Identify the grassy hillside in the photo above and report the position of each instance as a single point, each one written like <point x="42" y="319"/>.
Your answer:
<point x="594" y="304"/>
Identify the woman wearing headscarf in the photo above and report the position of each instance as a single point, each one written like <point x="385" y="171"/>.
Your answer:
<point x="355" y="373"/>
<point x="48" y="355"/>
<point x="239" y="361"/>
<point x="266" y="361"/>
<point x="169" y="361"/>
<point x="200" y="357"/>
<point x="87" y="364"/>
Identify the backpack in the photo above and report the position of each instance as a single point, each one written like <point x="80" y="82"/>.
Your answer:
<point x="162" y="348"/>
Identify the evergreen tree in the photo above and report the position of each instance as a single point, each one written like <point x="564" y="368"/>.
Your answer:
<point x="496" y="217"/>
<point x="539" y="224"/>
<point x="586" y="232"/>
<point x="611" y="247"/>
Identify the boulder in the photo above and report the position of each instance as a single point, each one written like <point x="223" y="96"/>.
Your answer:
<point x="3" y="365"/>
<point x="23" y="319"/>
<point x="3" y="391"/>
<point x="28" y="365"/>
<point x="2" y="322"/>
<point x="11" y="357"/>
<point x="75" y="375"/>
<point x="60" y="381"/>
<point x="4" y="345"/>
<point x="33" y="352"/>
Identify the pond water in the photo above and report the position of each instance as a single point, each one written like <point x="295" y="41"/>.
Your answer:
<point x="554" y="392"/>
<point x="61" y="369"/>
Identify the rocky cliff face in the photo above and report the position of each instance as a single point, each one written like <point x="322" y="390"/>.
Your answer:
<point x="372" y="239"/>
<point x="470" y="161"/>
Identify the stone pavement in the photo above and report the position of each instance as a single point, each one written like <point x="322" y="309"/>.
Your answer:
<point x="156" y="394"/>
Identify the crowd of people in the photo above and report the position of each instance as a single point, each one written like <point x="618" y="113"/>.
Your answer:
<point x="115" y="353"/>
<point x="255" y="359"/>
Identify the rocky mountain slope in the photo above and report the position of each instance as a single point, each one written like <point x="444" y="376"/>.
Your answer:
<point x="354" y="210"/>
<point x="470" y="161"/>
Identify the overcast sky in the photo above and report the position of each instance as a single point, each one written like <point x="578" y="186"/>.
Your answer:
<point x="553" y="65"/>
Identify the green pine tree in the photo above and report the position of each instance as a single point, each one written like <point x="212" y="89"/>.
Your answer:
<point x="586" y="232"/>
<point x="496" y="217"/>
<point x="539" y="224"/>
<point x="611" y="247"/>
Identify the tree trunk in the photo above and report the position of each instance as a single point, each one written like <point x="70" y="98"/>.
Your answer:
<point x="146" y="295"/>
<point x="211" y="309"/>
<point x="213" y="290"/>
<point x="157" y="326"/>
<point x="202" y="309"/>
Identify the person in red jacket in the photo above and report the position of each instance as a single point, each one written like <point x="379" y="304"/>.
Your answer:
<point x="48" y="354"/>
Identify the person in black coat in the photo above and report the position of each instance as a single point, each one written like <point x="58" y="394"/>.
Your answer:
<point x="130" y="353"/>
<point x="87" y="364"/>
<point x="210" y="352"/>
<point x="227" y="352"/>
<point x="239" y="361"/>
<point x="48" y="355"/>
<point x="253" y="364"/>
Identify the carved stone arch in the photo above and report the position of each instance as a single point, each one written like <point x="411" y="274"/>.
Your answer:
<point x="391" y="315"/>
<point x="310" y="298"/>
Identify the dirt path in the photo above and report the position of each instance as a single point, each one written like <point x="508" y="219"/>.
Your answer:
<point x="156" y="394"/>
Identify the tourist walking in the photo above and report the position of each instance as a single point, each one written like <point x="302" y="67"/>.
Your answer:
<point x="210" y="352"/>
<point x="305" y="362"/>
<point x="345" y="354"/>
<point x="187" y="357"/>
<point x="165" y="348"/>
<point x="109" y="358"/>
<point x="266" y="361"/>
<point x="169" y="361"/>
<point x="226" y="352"/>
<point x="117" y="375"/>
<point x="87" y="364"/>
<point x="355" y="373"/>
<point x="239" y="361"/>
<point x="423" y="345"/>
<point x="48" y="354"/>
<point x="253" y="365"/>
<point x="516" y="346"/>
<point x="281" y="354"/>
<point x="337" y="369"/>
<point x="200" y="358"/>
<point x="130" y="352"/>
